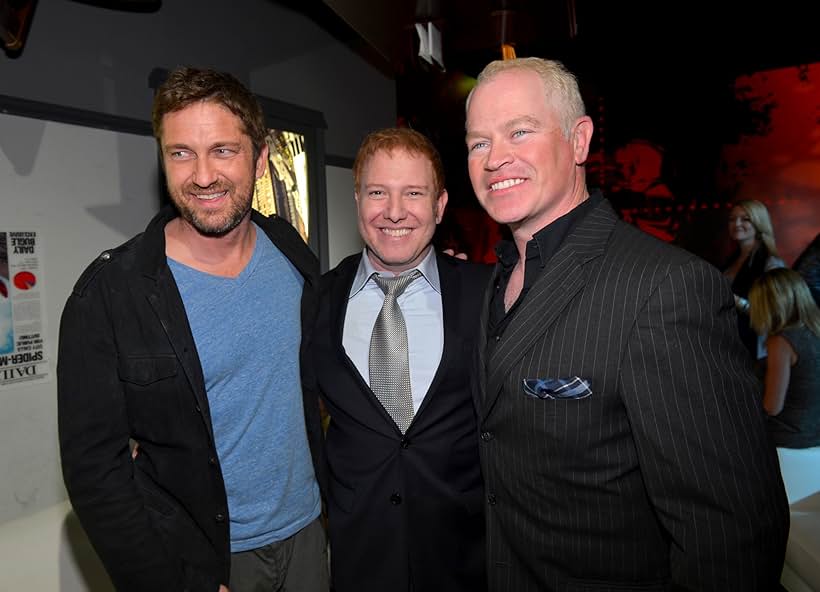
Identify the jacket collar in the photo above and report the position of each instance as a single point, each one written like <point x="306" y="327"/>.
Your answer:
<point x="152" y="260"/>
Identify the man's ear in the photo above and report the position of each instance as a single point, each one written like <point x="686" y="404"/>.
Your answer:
<point x="441" y="203"/>
<point x="262" y="161"/>
<point x="581" y="138"/>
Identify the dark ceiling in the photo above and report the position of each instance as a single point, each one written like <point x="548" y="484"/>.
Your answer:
<point x="593" y="35"/>
<point x="662" y="70"/>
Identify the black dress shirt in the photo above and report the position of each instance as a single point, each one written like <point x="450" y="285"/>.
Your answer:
<point x="540" y="249"/>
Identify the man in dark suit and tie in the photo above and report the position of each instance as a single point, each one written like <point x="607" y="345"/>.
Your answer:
<point x="622" y="440"/>
<point x="393" y="351"/>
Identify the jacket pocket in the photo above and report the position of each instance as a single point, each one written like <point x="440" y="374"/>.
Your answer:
<point x="181" y="534"/>
<point x="145" y="370"/>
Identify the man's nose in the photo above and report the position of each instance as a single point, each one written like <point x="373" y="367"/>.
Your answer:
<point x="205" y="174"/>
<point x="498" y="156"/>
<point x="395" y="209"/>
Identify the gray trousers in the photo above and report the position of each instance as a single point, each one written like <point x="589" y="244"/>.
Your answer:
<point x="296" y="564"/>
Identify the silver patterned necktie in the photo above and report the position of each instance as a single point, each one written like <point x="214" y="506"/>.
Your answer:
<point x="389" y="358"/>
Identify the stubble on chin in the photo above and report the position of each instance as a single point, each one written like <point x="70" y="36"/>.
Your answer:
<point x="215" y="225"/>
<point x="218" y="223"/>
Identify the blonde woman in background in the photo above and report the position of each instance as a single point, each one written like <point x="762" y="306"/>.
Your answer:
<point x="783" y="308"/>
<point x="751" y="228"/>
<point x="781" y="305"/>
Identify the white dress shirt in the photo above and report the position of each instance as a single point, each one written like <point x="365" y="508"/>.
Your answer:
<point x="421" y="306"/>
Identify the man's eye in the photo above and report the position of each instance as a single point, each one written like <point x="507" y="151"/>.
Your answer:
<point x="375" y="193"/>
<point x="520" y="133"/>
<point x="477" y="146"/>
<point x="179" y="154"/>
<point x="224" y="152"/>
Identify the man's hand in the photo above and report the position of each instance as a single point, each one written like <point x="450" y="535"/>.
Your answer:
<point x="223" y="588"/>
<point x="453" y="253"/>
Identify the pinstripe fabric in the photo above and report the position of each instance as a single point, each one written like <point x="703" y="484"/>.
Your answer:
<point x="663" y="477"/>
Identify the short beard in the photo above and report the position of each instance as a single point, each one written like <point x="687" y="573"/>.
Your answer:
<point x="215" y="226"/>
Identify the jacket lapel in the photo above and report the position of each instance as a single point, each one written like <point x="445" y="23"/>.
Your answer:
<point x="450" y="304"/>
<point x="559" y="283"/>
<point x="338" y="294"/>
<point x="342" y="281"/>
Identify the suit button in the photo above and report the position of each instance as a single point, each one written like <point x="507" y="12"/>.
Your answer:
<point x="487" y="436"/>
<point x="395" y="499"/>
<point x="405" y="442"/>
<point x="198" y="410"/>
<point x="491" y="499"/>
<point x="212" y="461"/>
<point x="220" y="517"/>
<point x="497" y="338"/>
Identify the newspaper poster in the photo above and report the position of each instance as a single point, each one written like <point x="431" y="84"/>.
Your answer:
<point x="23" y="358"/>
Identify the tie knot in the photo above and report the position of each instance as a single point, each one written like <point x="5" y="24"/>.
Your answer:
<point x="394" y="286"/>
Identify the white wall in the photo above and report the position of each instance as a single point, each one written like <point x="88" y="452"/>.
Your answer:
<point x="342" y="230"/>
<point x="97" y="59"/>
<point x="84" y="190"/>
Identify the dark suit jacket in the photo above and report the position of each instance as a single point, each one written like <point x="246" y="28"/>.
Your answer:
<point x="663" y="478"/>
<point x="128" y="368"/>
<point x="407" y="508"/>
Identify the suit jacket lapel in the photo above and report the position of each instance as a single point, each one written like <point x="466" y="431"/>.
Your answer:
<point x="450" y="305"/>
<point x="561" y="280"/>
<point x="339" y="294"/>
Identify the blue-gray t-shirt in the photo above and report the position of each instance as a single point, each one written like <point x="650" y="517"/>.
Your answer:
<point x="247" y="332"/>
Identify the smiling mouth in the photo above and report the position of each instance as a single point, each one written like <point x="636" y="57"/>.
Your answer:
<point x="505" y="184"/>
<point x="396" y="231"/>
<point x="210" y="196"/>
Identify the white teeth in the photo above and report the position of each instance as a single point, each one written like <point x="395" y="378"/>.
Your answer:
<point x="506" y="183"/>
<point x="396" y="231"/>
<point x="210" y="196"/>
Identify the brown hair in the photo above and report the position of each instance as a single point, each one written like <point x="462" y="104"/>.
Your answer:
<point x="780" y="299"/>
<point x="399" y="138"/>
<point x="185" y="86"/>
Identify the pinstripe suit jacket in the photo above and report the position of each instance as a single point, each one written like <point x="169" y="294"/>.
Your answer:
<point x="663" y="478"/>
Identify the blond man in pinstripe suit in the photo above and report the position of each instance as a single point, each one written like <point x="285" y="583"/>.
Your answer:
<point x="623" y="443"/>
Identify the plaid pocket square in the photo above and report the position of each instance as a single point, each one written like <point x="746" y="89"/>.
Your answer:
<point x="557" y="388"/>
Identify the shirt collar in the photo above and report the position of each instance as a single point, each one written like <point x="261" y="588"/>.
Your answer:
<point x="546" y="242"/>
<point x="427" y="267"/>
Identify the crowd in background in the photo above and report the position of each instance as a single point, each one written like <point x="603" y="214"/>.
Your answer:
<point x="779" y="323"/>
